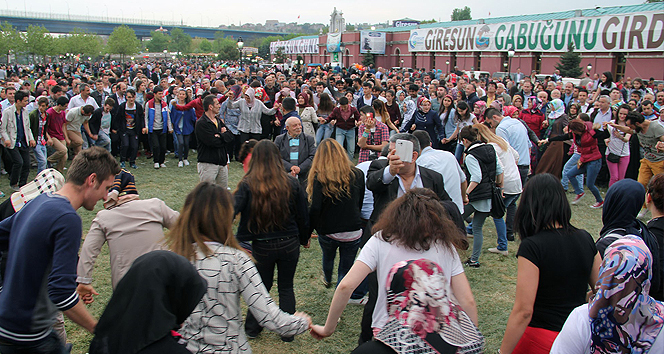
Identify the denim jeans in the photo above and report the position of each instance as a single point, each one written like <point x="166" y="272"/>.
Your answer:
<point x="103" y="140"/>
<point x="49" y="345"/>
<point x="591" y="169"/>
<point x="501" y="227"/>
<point x="41" y="154"/>
<point x="568" y="166"/>
<point x="129" y="146"/>
<point x="349" y="136"/>
<point x="324" y="132"/>
<point x="182" y="146"/>
<point x="347" y="253"/>
<point x="478" y="236"/>
<point x="458" y="152"/>
<point x="282" y="253"/>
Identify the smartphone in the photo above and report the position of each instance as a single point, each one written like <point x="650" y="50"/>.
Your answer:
<point x="404" y="149"/>
<point x="370" y="117"/>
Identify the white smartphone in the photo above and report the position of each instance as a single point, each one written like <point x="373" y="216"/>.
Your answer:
<point x="404" y="149"/>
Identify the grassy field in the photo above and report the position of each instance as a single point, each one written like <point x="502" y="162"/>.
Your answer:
<point x="493" y="284"/>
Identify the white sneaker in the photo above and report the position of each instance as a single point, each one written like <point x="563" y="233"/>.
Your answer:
<point x="163" y="165"/>
<point x="180" y="164"/>
<point x="156" y="165"/>
<point x="186" y="162"/>
<point x="360" y="302"/>
<point x="497" y="251"/>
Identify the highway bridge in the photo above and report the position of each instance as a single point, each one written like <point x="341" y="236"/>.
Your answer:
<point x="104" y="25"/>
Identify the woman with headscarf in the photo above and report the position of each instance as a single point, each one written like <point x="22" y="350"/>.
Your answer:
<point x="621" y="317"/>
<point x="553" y="159"/>
<point x="307" y="114"/>
<point x="140" y="321"/>
<point x="428" y="120"/>
<point x="423" y="315"/>
<point x="251" y="110"/>
<point x="619" y="217"/>
<point x="478" y="110"/>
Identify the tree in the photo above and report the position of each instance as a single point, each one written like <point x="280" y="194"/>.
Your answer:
<point x="158" y="41"/>
<point x="180" y="41"/>
<point x="428" y="21"/>
<point x="205" y="46"/>
<point x="123" y="41"/>
<point x="79" y="42"/>
<point x="569" y="63"/>
<point x="38" y="41"/>
<point x="10" y="39"/>
<point x="279" y="57"/>
<point x="350" y="28"/>
<point x="461" y="14"/>
<point x="227" y="49"/>
<point x="368" y="59"/>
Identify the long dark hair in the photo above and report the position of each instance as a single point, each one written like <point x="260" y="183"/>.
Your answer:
<point x="270" y="188"/>
<point x="325" y="106"/>
<point x="461" y="105"/>
<point x="543" y="206"/>
<point x="442" y="110"/>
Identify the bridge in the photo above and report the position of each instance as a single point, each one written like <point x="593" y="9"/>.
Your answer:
<point x="104" y="25"/>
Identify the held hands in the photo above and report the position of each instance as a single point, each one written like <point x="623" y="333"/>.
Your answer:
<point x="85" y="292"/>
<point x="321" y="120"/>
<point x="304" y="316"/>
<point x="333" y="122"/>
<point x="32" y="143"/>
<point x="319" y="332"/>
<point x="543" y="142"/>
<point x="145" y="130"/>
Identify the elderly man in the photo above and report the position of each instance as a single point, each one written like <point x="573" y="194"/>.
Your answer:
<point x="297" y="149"/>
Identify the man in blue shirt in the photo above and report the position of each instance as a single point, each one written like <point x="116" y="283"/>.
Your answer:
<point x="44" y="238"/>
<point x="516" y="134"/>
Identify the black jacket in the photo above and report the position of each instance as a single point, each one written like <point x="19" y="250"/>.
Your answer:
<point x="385" y="193"/>
<point x="97" y="96"/>
<point x="212" y="142"/>
<point x="486" y="156"/>
<point x="306" y="152"/>
<point x="119" y="119"/>
<point x="330" y="216"/>
<point x="95" y="120"/>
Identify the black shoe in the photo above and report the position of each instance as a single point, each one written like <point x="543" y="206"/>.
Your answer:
<point x="251" y="335"/>
<point x="510" y="237"/>
<point x="287" y="339"/>
<point x="472" y="264"/>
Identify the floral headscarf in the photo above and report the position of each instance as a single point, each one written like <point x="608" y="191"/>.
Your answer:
<point x="260" y="93"/>
<point x="496" y="104"/>
<point x="424" y="318"/>
<point x="557" y="108"/>
<point x="623" y="317"/>
<point x="481" y="105"/>
<point x="534" y="105"/>
<point x="508" y="111"/>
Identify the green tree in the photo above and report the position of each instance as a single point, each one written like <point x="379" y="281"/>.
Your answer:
<point x="180" y="41"/>
<point x="205" y="46"/>
<point x="158" y="41"/>
<point x="123" y="41"/>
<point x="428" y="21"/>
<point x="11" y="39"/>
<point x="461" y="14"/>
<point x="38" y="41"/>
<point x="569" y="64"/>
<point x="350" y="28"/>
<point x="227" y="49"/>
<point x="368" y="59"/>
<point x="279" y="57"/>
<point x="79" y="42"/>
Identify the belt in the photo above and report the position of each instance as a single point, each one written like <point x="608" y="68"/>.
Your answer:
<point x="272" y="239"/>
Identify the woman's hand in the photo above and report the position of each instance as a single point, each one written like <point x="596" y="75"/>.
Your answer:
<point x="319" y="332"/>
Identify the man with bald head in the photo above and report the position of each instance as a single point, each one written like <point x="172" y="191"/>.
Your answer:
<point x="297" y="149"/>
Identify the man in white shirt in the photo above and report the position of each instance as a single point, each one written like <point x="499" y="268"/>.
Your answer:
<point x="446" y="164"/>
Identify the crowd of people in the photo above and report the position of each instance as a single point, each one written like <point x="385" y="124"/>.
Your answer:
<point x="395" y="169"/>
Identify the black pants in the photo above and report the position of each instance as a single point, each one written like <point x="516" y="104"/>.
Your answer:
<point x="283" y="253"/>
<point x="246" y="136"/>
<point x="129" y="146"/>
<point x="158" y="143"/>
<point x="20" y="165"/>
<point x="367" y="315"/>
<point x="234" y="148"/>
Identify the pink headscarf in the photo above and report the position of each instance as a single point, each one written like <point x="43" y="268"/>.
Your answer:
<point x="508" y="111"/>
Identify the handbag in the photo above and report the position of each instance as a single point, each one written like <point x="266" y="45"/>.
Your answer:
<point x="497" y="203"/>
<point x="613" y="158"/>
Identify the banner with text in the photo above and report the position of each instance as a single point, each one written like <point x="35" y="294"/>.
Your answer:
<point x="372" y="42"/>
<point x="633" y="32"/>
<point x="295" y="46"/>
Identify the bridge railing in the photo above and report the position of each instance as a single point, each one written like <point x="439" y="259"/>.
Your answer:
<point x="83" y="18"/>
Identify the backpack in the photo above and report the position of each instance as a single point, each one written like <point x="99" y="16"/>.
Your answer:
<point x="657" y="283"/>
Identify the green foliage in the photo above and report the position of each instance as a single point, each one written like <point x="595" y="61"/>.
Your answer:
<point x="350" y="28"/>
<point x="10" y="39"/>
<point x="79" y="42"/>
<point x="279" y="57"/>
<point x="123" y="41"/>
<point x="205" y="46"/>
<point x="158" y="41"/>
<point x="180" y="41"/>
<point x="38" y="41"/>
<point x="653" y="1"/>
<point x="461" y="14"/>
<point x="368" y="59"/>
<point x="569" y="64"/>
<point x="428" y="21"/>
<point x="227" y="49"/>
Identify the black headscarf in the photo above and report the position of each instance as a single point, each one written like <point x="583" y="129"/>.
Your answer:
<point x="155" y="296"/>
<point x="622" y="204"/>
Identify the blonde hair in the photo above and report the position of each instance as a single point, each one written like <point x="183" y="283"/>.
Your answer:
<point x="485" y="135"/>
<point x="207" y="215"/>
<point x="332" y="169"/>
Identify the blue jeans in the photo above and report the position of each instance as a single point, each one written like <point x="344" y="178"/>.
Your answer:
<point x="41" y="154"/>
<point x="458" y="153"/>
<point x="52" y="344"/>
<point x="568" y="166"/>
<point x="324" y="131"/>
<point x="103" y="140"/>
<point x="478" y="223"/>
<point x="347" y="253"/>
<point x="591" y="169"/>
<point x="501" y="227"/>
<point x="182" y="146"/>
<point x="349" y="136"/>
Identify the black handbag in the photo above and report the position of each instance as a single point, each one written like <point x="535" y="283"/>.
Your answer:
<point x="497" y="203"/>
<point x="613" y="158"/>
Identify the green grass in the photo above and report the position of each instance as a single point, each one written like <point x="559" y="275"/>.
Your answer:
<point x="493" y="284"/>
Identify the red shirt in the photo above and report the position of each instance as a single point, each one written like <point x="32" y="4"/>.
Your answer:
<point x="54" y="123"/>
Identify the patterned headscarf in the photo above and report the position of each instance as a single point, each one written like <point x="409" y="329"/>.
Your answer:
<point x="534" y="105"/>
<point x="508" y="111"/>
<point x="424" y="318"/>
<point x="623" y="317"/>
<point x="557" y="108"/>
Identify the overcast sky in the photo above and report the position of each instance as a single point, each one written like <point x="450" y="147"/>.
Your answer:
<point x="214" y="13"/>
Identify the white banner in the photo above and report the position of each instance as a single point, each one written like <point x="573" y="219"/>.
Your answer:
<point x="372" y="42"/>
<point x="628" y="32"/>
<point x="295" y="46"/>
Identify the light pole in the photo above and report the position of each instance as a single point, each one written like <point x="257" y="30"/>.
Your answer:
<point x="240" y="44"/>
<point x="510" y="55"/>
<point x="447" y="62"/>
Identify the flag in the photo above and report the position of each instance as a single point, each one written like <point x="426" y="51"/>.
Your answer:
<point x="298" y="17"/>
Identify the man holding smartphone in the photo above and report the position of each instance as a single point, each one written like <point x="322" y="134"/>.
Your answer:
<point x="373" y="135"/>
